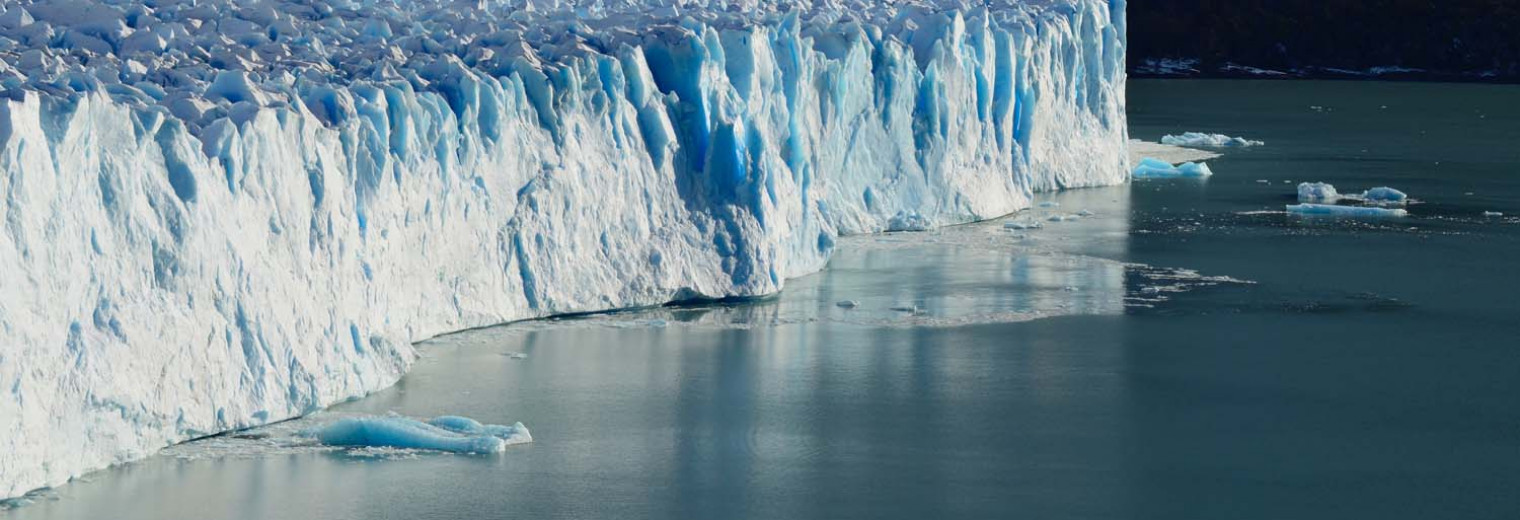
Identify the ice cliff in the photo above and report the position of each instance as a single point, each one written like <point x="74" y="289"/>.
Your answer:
<point x="219" y="214"/>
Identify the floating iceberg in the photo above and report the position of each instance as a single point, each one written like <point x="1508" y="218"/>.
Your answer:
<point x="1325" y="193"/>
<point x="1317" y="192"/>
<point x="1385" y="196"/>
<point x="222" y="214"/>
<point x="1344" y="211"/>
<point x="1158" y="169"/>
<point x="448" y="433"/>
<point x="1202" y="140"/>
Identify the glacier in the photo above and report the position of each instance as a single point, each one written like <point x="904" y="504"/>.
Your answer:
<point x="223" y="214"/>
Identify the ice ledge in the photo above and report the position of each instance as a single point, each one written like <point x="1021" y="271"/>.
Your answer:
<point x="171" y="274"/>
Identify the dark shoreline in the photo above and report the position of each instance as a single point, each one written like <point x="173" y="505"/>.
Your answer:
<point x="1403" y="77"/>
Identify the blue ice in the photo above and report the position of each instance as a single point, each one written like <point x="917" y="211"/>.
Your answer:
<point x="1150" y="168"/>
<point x="447" y="433"/>
<point x="1385" y="195"/>
<point x="1344" y="211"/>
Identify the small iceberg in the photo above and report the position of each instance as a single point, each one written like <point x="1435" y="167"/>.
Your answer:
<point x="1385" y="196"/>
<point x="909" y="221"/>
<point x="1050" y="204"/>
<point x="847" y="304"/>
<point x="1022" y="224"/>
<point x="1202" y="140"/>
<point x="1344" y="211"/>
<point x="1317" y="192"/>
<point x="1493" y="214"/>
<point x="447" y="433"/>
<point x="1150" y="168"/>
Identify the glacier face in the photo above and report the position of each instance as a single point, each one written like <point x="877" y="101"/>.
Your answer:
<point x="221" y="214"/>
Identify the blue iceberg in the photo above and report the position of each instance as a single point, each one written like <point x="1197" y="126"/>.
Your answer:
<point x="1344" y="211"/>
<point x="448" y="433"/>
<point x="1150" y="168"/>
<point x="1386" y="196"/>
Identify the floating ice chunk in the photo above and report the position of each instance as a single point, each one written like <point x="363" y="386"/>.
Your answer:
<point x="847" y="304"/>
<point x="905" y="308"/>
<point x="1050" y="204"/>
<point x="1317" y="192"/>
<point x="1022" y="224"/>
<point x="516" y="355"/>
<point x="1139" y="149"/>
<point x="1492" y="214"/>
<point x="1063" y="218"/>
<point x="1158" y="169"/>
<point x="1344" y="211"/>
<point x="448" y="433"/>
<point x="909" y="221"/>
<point x="514" y="434"/>
<point x="1202" y="140"/>
<point x="1085" y="213"/>
<point x="1385" y="196"/>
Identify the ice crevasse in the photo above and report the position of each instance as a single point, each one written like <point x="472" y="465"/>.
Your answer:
<point x="219" y="214"/>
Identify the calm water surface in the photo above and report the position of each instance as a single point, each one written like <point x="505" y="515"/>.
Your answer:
<point x="1188" y="352"/>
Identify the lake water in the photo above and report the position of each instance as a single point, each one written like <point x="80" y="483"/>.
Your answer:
<point x="1187" y="351"/>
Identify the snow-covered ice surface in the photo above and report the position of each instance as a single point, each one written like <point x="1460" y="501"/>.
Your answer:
<point x="1203" y="140"/>
<point x="1139" y="150"/>
<point x="220" y="215"/>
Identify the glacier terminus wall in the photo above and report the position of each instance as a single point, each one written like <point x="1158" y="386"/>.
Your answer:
<point x="219" y="214"/>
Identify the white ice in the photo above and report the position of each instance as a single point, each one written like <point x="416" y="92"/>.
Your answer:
<point x="223" y="214"/>
<point x="1139" y="150"/>
<point x="909" y="221"/>
<point x="1202" y="140"/>
<point x="1317" y="192"/>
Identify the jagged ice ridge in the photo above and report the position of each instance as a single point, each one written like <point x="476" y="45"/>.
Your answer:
<point x="220" y="214"/>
